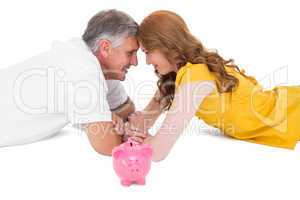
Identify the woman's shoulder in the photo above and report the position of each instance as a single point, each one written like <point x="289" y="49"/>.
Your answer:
<point x="193" y="72"/>
<point x="192" y="65"/>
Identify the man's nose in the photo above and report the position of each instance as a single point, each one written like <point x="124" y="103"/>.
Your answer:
<point x="134" y="60"/>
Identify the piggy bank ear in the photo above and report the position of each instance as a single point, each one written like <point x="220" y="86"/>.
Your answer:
<point x="117" y="152"/>
<point x="147" y="150"/>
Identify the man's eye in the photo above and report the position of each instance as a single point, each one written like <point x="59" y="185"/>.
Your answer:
<point x="129" y="54"/>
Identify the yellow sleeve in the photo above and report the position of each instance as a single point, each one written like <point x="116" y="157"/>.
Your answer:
<point x="193" y="72"/>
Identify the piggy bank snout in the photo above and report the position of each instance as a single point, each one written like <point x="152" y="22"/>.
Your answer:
<point x="135" y="170"/>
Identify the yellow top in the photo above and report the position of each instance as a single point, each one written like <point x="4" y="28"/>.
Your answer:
<point x="269" y="117"/>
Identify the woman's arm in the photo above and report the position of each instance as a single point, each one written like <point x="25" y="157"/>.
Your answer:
<point x="152" y="111"/>
<point x="143" y="120"/>
<point x="187" y="100"/>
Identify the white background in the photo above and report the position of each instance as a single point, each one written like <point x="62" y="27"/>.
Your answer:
<point x="262" y="37"/>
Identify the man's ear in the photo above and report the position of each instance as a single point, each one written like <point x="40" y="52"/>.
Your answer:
<point x="104" y="48"/>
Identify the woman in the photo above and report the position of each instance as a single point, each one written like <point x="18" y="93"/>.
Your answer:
<point x="195" y="81"/>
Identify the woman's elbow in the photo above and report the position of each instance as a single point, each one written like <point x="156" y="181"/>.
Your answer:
<point x="158" y="157"/>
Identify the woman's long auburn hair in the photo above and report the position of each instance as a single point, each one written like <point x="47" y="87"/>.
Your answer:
<point x="167" y="32"/>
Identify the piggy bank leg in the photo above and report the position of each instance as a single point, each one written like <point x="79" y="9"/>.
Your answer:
<point x="125" y="182"/>
<point x="141" y="181"/>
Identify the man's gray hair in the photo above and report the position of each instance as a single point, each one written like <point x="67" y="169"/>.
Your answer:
<point x="112" y="25"/>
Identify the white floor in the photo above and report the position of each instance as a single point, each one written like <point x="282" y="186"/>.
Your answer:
<point x="262" y="37"/>
<point x="202" y="165"/>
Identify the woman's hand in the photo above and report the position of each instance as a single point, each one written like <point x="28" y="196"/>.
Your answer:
<point x="137" y="121"/>
<point x="135" y="127"/>
<point x="134" y="133"/>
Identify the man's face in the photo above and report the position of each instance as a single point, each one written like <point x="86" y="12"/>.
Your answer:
<point x="119" y="59"/>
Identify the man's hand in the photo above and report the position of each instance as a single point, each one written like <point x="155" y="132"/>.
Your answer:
<point x="118" y="124"/>
<point x="124" y="110"/>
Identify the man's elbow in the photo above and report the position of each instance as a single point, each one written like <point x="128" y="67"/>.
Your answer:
<point x="105" y="147"/>
<point x="104" y="150"/>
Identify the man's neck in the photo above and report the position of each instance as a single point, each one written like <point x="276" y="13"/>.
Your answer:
<point x="104" y="70"/>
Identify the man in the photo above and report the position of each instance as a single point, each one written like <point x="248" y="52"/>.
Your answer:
<point x="111" y="36"/>
<point x="76" y="82"/>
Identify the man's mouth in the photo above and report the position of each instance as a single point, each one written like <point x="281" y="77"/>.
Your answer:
<point x="125" y="69"/>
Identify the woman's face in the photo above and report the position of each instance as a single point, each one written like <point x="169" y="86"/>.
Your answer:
<point x="160" y="63"/>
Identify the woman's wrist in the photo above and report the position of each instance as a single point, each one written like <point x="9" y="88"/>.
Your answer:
<point x="148" y="139"/>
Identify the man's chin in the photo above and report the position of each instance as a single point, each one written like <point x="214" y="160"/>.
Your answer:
<point x="121" y="77"/>
<point x="115" y="76"/>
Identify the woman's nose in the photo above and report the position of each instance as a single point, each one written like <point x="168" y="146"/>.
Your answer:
<point x="148" y="62"/>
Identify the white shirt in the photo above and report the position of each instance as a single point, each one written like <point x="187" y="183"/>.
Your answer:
<point x="41" y="95"/>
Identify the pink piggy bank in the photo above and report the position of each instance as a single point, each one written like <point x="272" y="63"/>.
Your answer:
<point x="132" y="162"/>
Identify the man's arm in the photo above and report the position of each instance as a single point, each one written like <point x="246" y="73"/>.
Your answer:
<point x="102" y="135"/>
<point x="125" y="109"/>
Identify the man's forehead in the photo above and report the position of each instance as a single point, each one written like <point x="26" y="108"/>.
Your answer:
<point x="131" y="44"/>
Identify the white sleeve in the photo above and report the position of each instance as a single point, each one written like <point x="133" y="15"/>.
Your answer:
<point x="116" y="94"/>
